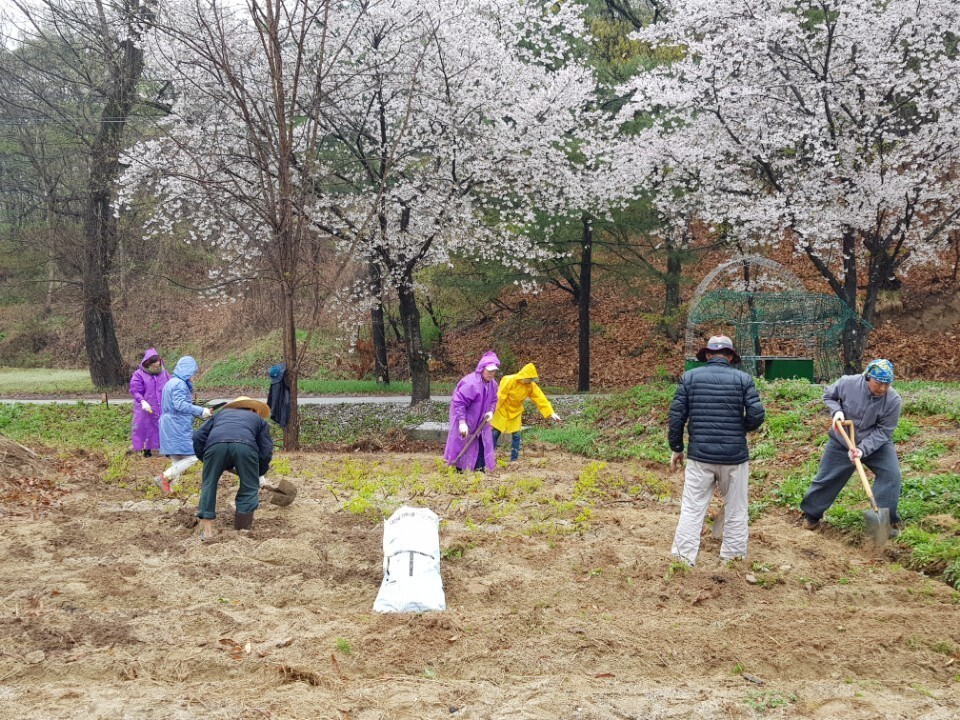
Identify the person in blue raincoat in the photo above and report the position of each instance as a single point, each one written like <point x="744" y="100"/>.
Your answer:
<point x="176" y="421"/>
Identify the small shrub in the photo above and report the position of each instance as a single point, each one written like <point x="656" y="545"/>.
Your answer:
<point x="906" y="429"/>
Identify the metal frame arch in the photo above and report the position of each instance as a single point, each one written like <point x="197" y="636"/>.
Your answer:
<point x="787" y="276"/>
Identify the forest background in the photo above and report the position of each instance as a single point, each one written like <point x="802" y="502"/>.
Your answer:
<point x="386" y="192"/>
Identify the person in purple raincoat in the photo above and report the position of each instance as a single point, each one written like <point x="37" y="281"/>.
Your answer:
<point x="473" y="403"/>
<point x="146" y="387"/>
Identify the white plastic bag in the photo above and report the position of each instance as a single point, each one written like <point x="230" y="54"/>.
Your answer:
<point x="411" y="563"/>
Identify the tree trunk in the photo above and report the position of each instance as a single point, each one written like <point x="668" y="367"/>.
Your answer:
<point x="759" y="367"/>
<point x="416" y="357"/>
<point x="103" y="351"/>
<point x="854" y="343"/>
<point x="583" y="306"/>
<point x="378" y="330"/>
<point x="291" y="433"/>
<point x="99" y="226"/>
<point x="854" y="337"/>
<point x="671" y="299"/>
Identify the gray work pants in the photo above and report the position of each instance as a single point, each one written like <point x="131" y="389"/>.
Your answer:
<point x="835" y="469"/>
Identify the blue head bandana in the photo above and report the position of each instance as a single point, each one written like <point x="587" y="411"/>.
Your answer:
<point x="880" y="370"/>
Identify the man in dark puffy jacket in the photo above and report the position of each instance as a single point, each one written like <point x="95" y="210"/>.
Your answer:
<point x="237" y="438"/>
<point x="718" y="405"/>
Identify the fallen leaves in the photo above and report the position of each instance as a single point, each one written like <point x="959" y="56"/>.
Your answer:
<point x="235" y="650"/>
<point x="289" y="673"/>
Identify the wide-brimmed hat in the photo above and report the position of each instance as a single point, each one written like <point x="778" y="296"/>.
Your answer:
<point x="245" y="403"/>
<point x="716" y="344"/>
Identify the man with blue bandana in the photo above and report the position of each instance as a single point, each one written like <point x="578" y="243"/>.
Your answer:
<point x="874" y="407"/>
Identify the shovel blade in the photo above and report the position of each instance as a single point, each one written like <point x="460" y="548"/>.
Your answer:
<point x="878" y="525"/>
<point x="284" y="494"/>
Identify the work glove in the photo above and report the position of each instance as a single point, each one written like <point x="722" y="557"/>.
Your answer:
<point x="838" y="417"/>
<point x="488" y="416"/>
<point x="555" y="417"/>
<point x="146" y="406"/>
<point x="207" y="412"/>
<point x="263" y="480"/>
<point x="676" y="461"/>
<point x="855" y="454"/>
<point x="464" y="430"/>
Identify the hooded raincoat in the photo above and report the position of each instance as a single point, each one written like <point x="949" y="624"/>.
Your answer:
<point x="471" y="400"/>
<point x="510" y="397"/>
<point x="145" y="429"/>
<point x="178" y="410"/>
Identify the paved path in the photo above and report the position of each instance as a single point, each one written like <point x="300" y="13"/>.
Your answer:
<point x="334" y="400"/>
<point x="329" y="400"/>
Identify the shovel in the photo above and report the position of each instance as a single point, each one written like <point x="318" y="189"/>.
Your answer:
<point x="878" y="519"/>
<point x="282" y="494"/>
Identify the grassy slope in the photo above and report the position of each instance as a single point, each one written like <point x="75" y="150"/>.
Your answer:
<point x="786" y="450"/>
<point x="630" y="427"/>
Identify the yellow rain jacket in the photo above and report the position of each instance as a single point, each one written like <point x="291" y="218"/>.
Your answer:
<point x="510" y="397"/>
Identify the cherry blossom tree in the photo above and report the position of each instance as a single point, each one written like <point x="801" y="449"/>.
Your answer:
<point x="237" y="163"/>
<point x="833" y="123"/>
<point x="410" y="132"/>
<point x="456" y="120"/>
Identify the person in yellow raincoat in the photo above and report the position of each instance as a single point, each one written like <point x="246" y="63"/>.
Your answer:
<point x="514" y="389"/>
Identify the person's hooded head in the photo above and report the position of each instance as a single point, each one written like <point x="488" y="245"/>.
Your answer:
<point x="152" y="362"/>
<point x="186" y="367"/>
<point x="527" y="374"/>
<point x="488" y="365"/>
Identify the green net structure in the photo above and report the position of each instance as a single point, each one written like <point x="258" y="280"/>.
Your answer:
<point x="779" y="328"/>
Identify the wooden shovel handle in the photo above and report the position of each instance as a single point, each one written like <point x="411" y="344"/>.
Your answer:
<point x="863" y="475"/>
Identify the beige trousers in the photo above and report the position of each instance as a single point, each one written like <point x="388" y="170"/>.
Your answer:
<point x="698" y="486"/>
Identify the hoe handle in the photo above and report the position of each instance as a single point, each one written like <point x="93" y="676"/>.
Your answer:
<point x="469" y="441"/>
<point x="863" y="476"/>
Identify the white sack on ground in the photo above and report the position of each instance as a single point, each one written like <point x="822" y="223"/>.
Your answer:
<point x="411" y="563"/>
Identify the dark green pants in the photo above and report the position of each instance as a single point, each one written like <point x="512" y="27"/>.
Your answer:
<point x="216" y="459"/>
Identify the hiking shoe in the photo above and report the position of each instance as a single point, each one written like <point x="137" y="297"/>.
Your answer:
<point x="895" y="530"/>
<point x="163" y="484"/>
<point x="810" y="523"/>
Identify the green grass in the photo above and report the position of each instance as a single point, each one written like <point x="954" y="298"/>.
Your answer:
<point x="366" y="387"/>
<point x="67" y="427"/>
<point x="20" y="381"/>
<point x="250" y="367"/>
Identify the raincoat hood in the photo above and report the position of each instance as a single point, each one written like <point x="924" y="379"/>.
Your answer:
<point x="527" y="372"/>
<point x="489" y="358"/>
<point x="152" y="352"/>
<point x="186" y="367"/>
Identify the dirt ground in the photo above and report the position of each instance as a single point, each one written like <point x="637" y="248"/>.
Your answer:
<point x="110" y="607"/>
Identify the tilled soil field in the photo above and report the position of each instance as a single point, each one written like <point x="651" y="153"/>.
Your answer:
<point x="562" y="603"/>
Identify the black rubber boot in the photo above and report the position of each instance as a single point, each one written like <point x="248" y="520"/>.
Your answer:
<point x="242" y="520"/>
